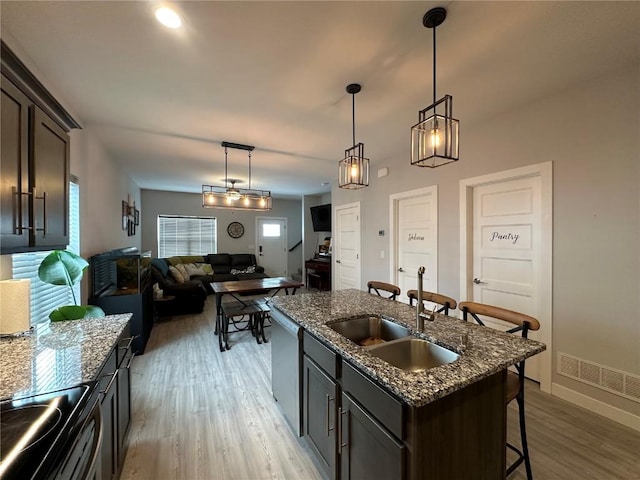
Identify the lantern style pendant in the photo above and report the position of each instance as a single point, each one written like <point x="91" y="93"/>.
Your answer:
<point x="353" y="169"/>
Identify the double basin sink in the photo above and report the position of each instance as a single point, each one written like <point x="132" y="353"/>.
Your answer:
<point x="393" y="343"/>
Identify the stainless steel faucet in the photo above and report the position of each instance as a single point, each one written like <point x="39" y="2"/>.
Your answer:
<point x="421" y="312"/>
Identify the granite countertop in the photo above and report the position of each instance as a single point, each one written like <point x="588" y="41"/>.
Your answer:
<point x="488" y="351"/>
<point x="57" y="355"/>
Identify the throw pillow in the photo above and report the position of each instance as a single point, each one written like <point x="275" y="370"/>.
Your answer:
<point x="206" y="268"/>
<point x="183" y="271"/>
<point x="175" y="273"/>
<point x="194" y="270"/>
<point x="251" y="269"/>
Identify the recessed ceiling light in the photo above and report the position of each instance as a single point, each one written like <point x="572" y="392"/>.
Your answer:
<point x="168" y="17"/>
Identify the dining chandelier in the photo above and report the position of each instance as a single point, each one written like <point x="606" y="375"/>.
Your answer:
<point x="232" y="197"/>
<point x="353" y="169"/>
<point x="434" y="139"/>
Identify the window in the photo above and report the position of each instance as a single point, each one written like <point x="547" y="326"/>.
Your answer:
<point x="186" y="235"/>
<point x="46" y="297"/>
<point x="270" y="229"/>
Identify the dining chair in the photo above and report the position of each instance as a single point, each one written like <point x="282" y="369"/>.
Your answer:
<point x="515" y="381"/>
<point x="391" y="289"/>
<point x="445" y="302"/>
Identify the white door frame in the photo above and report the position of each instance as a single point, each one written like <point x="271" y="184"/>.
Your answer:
<point x="334" y="218"/>
<point x="394" y="200"/>
<point x="545" y="172"/>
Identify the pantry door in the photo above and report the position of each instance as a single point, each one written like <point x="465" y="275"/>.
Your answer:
<point x="508" y="243"/>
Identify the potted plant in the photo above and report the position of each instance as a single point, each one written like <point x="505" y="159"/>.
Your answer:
<point x="62" y="267"/>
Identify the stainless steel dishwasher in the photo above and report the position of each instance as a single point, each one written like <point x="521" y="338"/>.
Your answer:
<point x="286" y="368"/>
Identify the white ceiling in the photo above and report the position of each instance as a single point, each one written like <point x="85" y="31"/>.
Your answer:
<point x="273" y="75"/>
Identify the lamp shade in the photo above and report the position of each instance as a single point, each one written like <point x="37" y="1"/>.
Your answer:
<point x="353" y="169"/>
<point x="434" y="140"/>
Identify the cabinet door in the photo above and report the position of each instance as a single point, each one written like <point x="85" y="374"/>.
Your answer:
<point x="319" y="415"/>
<point x="367" y="449"/>
<point x="108" y="389"/>
<point x="49" y="178"/>
<point x="124" y="402"/>
<point x="14" y="178"/>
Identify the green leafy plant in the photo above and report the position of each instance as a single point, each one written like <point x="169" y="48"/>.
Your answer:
<point x="62" y="267"/>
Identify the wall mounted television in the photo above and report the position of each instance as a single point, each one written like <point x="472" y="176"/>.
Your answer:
<point x="321" y="218"/>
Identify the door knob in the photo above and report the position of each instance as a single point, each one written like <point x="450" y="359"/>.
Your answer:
<point x="477" y="281"/>
<point x="401" y="269"/>
<point x="337" y="261"/>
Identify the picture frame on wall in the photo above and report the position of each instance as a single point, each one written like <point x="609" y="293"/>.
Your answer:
<point x="136" y="217"/>
<point x="125" y="215"/>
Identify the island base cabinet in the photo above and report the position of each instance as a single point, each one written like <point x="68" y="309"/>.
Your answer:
<point x="462" y="435"/>
<point x="320" y="415"/>
<point x="367" y="450"/>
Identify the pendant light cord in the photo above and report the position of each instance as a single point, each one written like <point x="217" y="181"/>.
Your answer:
<point x="353" y="116"/>
<point x="434" y="69"/>
<point x="249" y="169"/>
<point x="225" y="168"/>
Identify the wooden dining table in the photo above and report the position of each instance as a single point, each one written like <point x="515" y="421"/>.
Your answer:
<point x="257" y="286"/>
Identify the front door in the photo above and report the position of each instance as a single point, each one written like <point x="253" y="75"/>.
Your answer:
<point x="414" y="239"/>
<point x="508" y="238"/>
<point x="346" y="248"/>
<point x="271" y="244"/>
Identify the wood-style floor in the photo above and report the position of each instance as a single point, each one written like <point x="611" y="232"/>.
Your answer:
<point x="202" y="414"/>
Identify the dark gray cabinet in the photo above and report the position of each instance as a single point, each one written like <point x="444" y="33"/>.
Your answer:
<point x="358" y="429"/>
<point x="320" y="399"/>
<point x="34" y="163"/>
<point x="347" y="440"/>
<point x="114" y="386"/>
<point x="367" y="449"/>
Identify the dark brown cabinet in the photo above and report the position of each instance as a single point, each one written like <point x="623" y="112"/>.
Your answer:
<point x="34" y="163"/>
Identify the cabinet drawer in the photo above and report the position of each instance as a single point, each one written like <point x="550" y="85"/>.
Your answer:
<point x="382" y="405"/>
<point x="322" y="355"/>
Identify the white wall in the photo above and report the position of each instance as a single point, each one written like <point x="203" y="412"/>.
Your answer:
<point x="592" y="134"/>
<point x="156" y="202"/>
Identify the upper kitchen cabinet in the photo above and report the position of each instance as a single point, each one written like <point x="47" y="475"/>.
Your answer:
<point x="34" y="166"/>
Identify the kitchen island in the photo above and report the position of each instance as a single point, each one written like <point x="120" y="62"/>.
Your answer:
<point x="50" y="365"/>
<point x="364" y="417"/>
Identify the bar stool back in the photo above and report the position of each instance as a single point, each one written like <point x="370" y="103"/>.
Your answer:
<point x="384" y="287"/>
<point x="445" y="302"/>
<point x="515" y="382"/>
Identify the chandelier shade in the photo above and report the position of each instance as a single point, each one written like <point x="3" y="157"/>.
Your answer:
<point x="435" y="138"/>
<point x="353" y="169"/>
<point x="232" y="197"/>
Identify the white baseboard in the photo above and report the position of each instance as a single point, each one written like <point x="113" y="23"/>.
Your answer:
<point x="596" y="406"/>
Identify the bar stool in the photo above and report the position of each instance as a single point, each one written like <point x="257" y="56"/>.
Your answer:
<point x="231" y="310"/>
<point x="385" y="287"/>
<point x="316" y="278"/>
<point x="445" y="302"/>
<point x="515" y="382"/>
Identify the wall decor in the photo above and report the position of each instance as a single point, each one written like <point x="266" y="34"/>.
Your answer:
<point x="235" y="229"/>
<point x="125" y="215"/>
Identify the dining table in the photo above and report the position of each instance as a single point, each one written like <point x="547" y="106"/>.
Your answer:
<point x="269" y="286"/>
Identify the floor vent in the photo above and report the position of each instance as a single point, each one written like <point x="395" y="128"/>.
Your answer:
<point x="615" y="381"/>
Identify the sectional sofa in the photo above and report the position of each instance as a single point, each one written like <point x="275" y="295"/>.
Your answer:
<point x="188" y="278"/>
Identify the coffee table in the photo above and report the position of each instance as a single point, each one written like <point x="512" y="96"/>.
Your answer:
<point x="258" y="286"/>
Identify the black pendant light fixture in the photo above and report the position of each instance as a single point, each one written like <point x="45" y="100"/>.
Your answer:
<point x="434" y="139"/>
<point x="353" y="169"/>
<point x="233" y="197"/>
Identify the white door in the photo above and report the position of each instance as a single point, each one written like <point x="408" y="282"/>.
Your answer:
<point x="346" y="249"/>
<point x="414" y="239"/>
<point x="271" y="244"/>
<point x="508" y="241"/>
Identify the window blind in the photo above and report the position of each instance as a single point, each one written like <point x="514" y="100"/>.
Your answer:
<point x="46" y="297"/>
<point x="179" y="235"/>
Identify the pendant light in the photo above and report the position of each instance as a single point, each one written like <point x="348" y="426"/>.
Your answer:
<point x="434" y="139"/>
<point x="233" y="197"/>
<point x="353" y="169"/>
